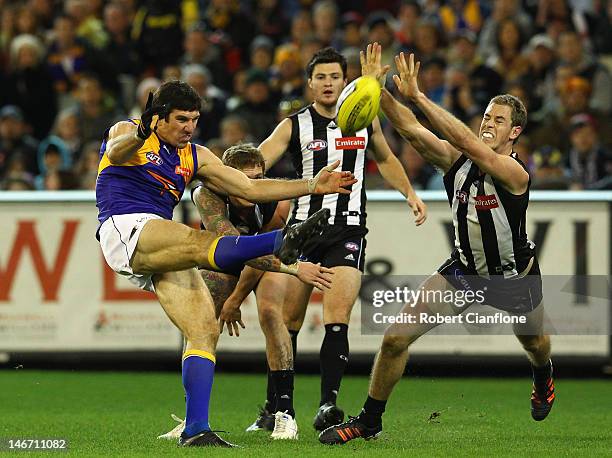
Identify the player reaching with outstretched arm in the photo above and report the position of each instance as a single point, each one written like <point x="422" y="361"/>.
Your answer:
<point x="144" y="168"/>
<point x="314" y="141"/>
<point x="488" y="191"/>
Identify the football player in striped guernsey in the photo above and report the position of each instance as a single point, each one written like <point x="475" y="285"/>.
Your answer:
<point x="488" y="192"/>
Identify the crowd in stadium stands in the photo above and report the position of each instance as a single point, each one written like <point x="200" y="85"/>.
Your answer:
<point x="71" y="68"/>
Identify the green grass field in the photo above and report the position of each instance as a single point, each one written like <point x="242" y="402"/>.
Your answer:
<point x="120" y="414"/>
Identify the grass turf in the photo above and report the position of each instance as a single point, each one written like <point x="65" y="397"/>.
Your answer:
<point x="120" y="414"/>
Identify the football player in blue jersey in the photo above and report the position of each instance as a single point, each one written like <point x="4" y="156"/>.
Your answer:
<point x="144" y="167"/>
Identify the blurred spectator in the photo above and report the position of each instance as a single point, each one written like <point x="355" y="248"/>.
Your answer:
<point x="258" y="108"/>
<point x="310" y="46"/>
<point x="157" y="31"/>
<point x="171" y="72"/>
<point x="67" y="57"/>
<point x="217" y="146"/>
<point x="380" y="29"/>
<point x="88" y="26"/>
<point x="213" y="106"/>
<point x="15" y="142"/>
<point x="17" y="184"/>
<point x="122" y="51"/>
<point x="288" y="74"/>
<point x="432" y="79"/>
<point x="547" y="169"/>
<point x="571" y="52"/>
<point x="589" y="162"/>
<point x="507" y="59"/>
<point x="120" y="47"/>
<point x="87" y="167"/>
<point x="94" y="113"/>
<point x="225" y="16"/>
<point x="574" y="100"/>
<point x="301" y="27"/>
<point x="427" y="40"/>
<point x="239" y="84"/>
<point x="353" y="64"/>
<point x="417" y="169"/>
<point x="43" y="10"/>
<point x="262" y="53"/>
<point x="540" y="53"/>
<point x="26" y="22"/>
<point x="29" y="84"/>
<point x="471" y="84"/>
<point x="350" y="25"/>
<point x="458" y="15"/>
<point x="145" y="87"/>
<point x="60" y="180"/>
<point x="270" y="19"/>
<point x="502" y="10"/>
<point x="325" y="21"/>
<point x="67" y="128"/>
<point x="200" y="50"/>
<point x="52" y="157"/>
<point x="408" y="18"/>
<point x="234" y="130"/>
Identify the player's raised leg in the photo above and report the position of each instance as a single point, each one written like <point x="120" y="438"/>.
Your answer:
<point x="187" y="302"/>
<point x="389" y="366"/>
<point x="537" y="345"/>
<point x="165" y="246"/>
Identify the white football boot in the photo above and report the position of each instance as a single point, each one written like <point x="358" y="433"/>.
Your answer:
<point x="285" y="427"/>
<point x="175" y="433"/>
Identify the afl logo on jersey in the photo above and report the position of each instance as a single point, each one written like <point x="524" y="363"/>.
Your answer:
<point x="351" y="246"/>
<point x="152" y="157"/>
<point x="461" y="196"/>
<point x="316" y="145"/>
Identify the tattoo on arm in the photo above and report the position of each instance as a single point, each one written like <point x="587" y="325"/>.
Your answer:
<point x="268" y="263"/>
<point x="213" y="212"/>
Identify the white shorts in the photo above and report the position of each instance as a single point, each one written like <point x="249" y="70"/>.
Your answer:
<point x="118" y="238"/>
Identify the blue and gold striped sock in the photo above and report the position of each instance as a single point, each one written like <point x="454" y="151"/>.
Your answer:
<point x="230" y="251"/>
<point x="198" y="373"/>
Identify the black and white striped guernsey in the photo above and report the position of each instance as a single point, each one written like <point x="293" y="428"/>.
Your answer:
<point x="316" y="141"/>
<point x="489" y="222"/>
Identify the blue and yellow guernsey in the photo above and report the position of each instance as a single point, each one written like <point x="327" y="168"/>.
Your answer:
<point x="152" y="181"/>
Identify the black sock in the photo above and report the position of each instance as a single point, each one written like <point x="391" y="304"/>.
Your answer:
<point x="541" y="375"/>
<point x="270" y="400"/>
<point x="283" y="387"/>
<point x="294" y="335"/>
<point x="371" y="415"/>
<point x="334" y="358"/>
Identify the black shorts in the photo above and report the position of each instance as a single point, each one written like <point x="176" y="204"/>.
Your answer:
<point x="338" y="246"/>
<point x="521" y="295"/>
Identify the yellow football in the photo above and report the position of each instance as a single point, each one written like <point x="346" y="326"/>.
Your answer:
<point x="358" y="104"/>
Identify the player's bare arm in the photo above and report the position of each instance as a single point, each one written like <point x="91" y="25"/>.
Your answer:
<point x="434" y="150"/>
<point x="273" y="147"/>
<point x="392" y="171"/>
<point x="497" y="164"/>
<point x="213" y="212"/>
<point x="229" y="181"/>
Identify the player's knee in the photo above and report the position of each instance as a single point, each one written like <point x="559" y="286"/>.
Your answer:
<point x="269" y="314"/>
<point x="202" y="336"/>
<point x="394" y="345"/>
<point x="533" y="344"/>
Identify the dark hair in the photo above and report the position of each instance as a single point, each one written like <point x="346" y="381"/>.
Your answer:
<point x="177" y="95"/>
<point x="521" y="34"/>
<point x="518" y="116"/>
<point x="326" y="56"/>
<point x="243" y="155"/>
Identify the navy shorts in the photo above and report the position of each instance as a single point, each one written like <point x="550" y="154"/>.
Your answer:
<point x="521" y="295"/>
<point x="338" y="246"/>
